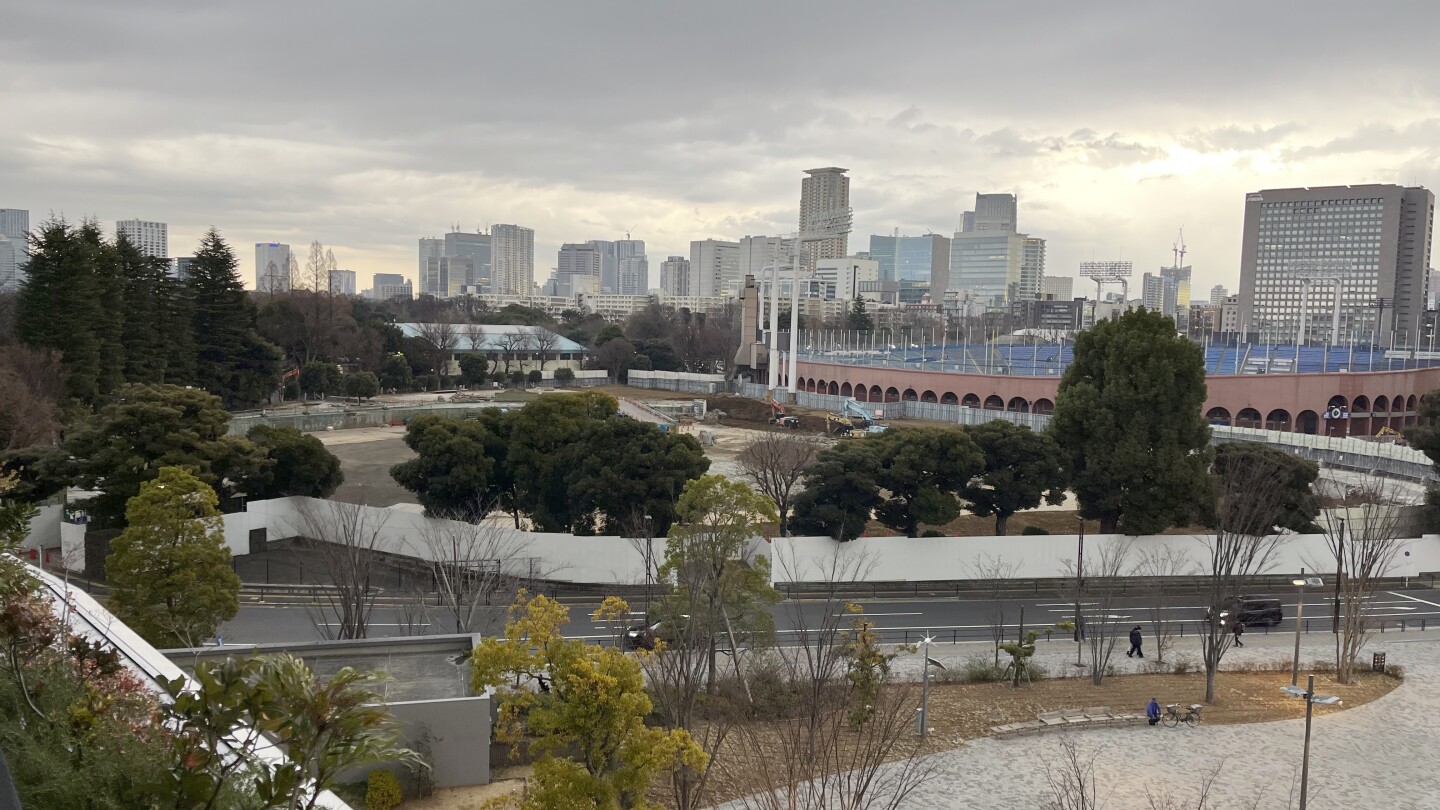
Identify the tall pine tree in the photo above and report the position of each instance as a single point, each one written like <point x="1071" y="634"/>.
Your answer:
<point x="60" y="305"/>
<point x="232" y="361"/>
<point x="145" y="332"/>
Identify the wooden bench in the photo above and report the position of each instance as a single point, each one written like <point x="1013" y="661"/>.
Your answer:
<point x="1068" y="718"/>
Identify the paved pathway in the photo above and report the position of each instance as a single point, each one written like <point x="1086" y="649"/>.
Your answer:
<point x="1383" y="754"/>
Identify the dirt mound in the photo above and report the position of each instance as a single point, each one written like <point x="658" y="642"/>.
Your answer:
<point x="754" y="413"/>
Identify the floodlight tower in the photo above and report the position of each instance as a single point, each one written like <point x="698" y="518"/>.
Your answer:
<point x="1103" y="273"/>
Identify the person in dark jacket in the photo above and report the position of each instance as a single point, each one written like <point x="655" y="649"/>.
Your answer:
<point x="1239" y="630"/>
<point x="1135" y="641"/>
<point x="1152" y="711"/>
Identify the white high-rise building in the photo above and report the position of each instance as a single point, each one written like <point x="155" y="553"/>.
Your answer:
<point x="430" y="248"/>
<point x="512" y="258"/>
<point x="1032" y="270"/>
<point x="675" y="276"/>
<point x="342" y="282"/>
<point x="152" y="238"/>
<point x="1218" y="294"/>
<point x="633" y="273"/>
<point x="578" y="259"/>
<point x="714" y="268"/>
<point x="758" y="254"/>
<point x="272" y="267"/>
<point x="14" y="247"/>
<point x="1057" y="288"/>
<point x="824" y="191"/>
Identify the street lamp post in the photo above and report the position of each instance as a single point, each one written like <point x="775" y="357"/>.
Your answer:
<point x="922" y="718"/>
<point x="1339" y="574"/>
<point x="1308" y="693"/>
<point x="649" y="563"/>
<point x="1301" y="582"/>
<point x="1079" y="590"/>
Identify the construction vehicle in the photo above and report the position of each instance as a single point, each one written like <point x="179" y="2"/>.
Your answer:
<point x="1390" y="435"/>
<point x="780" y="418"/>
<point x="861" y="417"/>
<point x="837" y="425"/>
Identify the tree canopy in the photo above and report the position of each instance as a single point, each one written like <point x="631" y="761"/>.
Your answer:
<point x="923" y="472"/>
<point x="1287" y="501"/>
<point x="622" y="470"/>
<point x="299" y="465"/>
<point x="1128" y="423"/>
<point x="1022" y="468"/>
<point x="170" y="568"/>
<point x="840" y="492"/>
<point x="452" y="472"/>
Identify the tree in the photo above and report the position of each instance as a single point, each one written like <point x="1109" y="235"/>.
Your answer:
<point x="472" y="562"/>
<point x="361" y="385"/>
<point x="395" y="373"/>
<point x="1289" y="500"/>
<point x="472" y="368"/>
<point x="152" y="426"/>
<point x="232" y="361"/>
<point x="1157" y="567"/>
<point x="319" y="379"/>
<point x="147" y="330"/>
<point x="544" y="342"/>
<point x="511" y="344"/>
<point x="660" y="354"/>
<point x="348" y="540"/>
<point x="580" y="710"/>
<point x="539" y="439"/>
<point x="32" y="386"/>
<point x="564" y="376"/>
<point x="453" y="467"/>
<point x="1128" y="423"/>
<point x="534" y="377"/>
<point x="622" y="470"/>
<point x="840" y="492"/>
<point x="1104" y="625"/>
<point x="1243" y="546"/>
<point x="170" y="568"/>
<point x="615" y="356"/>
<point x="608" y="333"/>
<point x="1022" y="468"/>
<point x="858" y="320"/>
<point x="994" y="571"/>
<point x="440" y="340"/>
<point x="300" y="465"/>
<point x="775" y="464"/>
<point x="923" y="471"/>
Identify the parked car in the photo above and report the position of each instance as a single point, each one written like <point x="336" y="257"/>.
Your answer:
<point x="1251" y="611"/>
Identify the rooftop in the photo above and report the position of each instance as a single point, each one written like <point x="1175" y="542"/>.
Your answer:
<point x="494" y="336"/>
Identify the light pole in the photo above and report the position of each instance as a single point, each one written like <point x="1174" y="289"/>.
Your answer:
<point x="922" y="718"/>
<point x="1301" y="582"/>
<point x="1339" y="574"/>
<point x="1079" y="591"/>
<point x="649" y="563"/>
<point x="1308" y="693"/>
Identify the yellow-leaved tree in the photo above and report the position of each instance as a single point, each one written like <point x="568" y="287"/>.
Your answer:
<point x="580" y="709"/>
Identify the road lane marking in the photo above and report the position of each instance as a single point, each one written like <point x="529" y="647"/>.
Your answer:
<point x="866" y="613"/>
<point x="1415" y="599"/>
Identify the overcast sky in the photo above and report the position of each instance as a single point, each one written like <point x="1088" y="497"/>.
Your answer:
<point x="366" y="125"/>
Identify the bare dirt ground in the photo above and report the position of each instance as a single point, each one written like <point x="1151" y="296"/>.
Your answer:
<point x="506" y="789"/>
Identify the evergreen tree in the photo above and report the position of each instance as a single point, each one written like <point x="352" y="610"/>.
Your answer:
<point x="1022" y="468"/>
<point x="109" y="327"/>
<point x="177" y="311"/>
<point x="59" y="305"/>
<point x="232" y="360"/>
<point x="858" y="319"/>
<point x="1128" y="422"/>
<point x="146" y="331"/>
<point x="170" y="568"/>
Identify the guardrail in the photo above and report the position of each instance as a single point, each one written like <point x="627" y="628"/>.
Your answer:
<point x="1053" y="586"/>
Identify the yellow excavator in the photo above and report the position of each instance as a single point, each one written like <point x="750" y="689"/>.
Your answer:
<point x="837" y="425"/>
<point x="1390" y="435"/>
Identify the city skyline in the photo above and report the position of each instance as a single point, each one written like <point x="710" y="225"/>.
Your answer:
<point x="1106" y="158"/>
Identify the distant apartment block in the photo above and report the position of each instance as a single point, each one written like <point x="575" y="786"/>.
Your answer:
<point x="272" y="267"/>
<point x="714" y="268"/>
<point x="1218" y="294"/>
<point x="512" y="260"/>
<point x="822" y="192"/>
<point x="675" y="276"/>
<point x="342" y="282"/>
<point x="1057" y="288"/>
<point x="152" y="238"/>
<point x="14" y="247"/>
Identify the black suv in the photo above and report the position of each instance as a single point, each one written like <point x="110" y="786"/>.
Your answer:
<point x="1252" y="610"/>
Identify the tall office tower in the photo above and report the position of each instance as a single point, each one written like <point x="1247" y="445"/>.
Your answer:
<point x="824" y="191"/>
<point x="758" y="254"/>
<point x="634" y="266"/>
<point x="151" y="237"/>
<point x="1218" y="294"/>
<point x="1371" y="243"/>
<point x="342" y="282"/>
<point x="512" y="260"/>
<point x="714" y="268"/>
<point x="912" y="258"/>
<point x="993" y="212"/>
<point x="472" y="246"/>
<point x="675" y="276"/>
<point x="14" y="247"/>
<point x="578" y="259"/>
<point x="1177" y="285"/>
<point x="272" y="267"/>
<point x="1057" y="288"/>
<point x="445" y="275"/>
<point x="989" y="265"/>
<point x="430" y="248"/>
<point x="1157" y="294"/>
<point x="1032" y="269"/>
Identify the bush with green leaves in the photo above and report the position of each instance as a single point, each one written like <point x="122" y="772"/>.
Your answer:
<point x="564" y="376"/>
<point x="382" y="791"/>
<point x="1032" y="530"/>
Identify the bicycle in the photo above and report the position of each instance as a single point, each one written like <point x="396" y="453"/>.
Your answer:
<point x="1173" y="717"/>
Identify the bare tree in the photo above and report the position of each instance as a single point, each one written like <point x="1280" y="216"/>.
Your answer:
<point x="348" y="540"/>
<point x="1363" y="545"/>
<point x="544" y="343"/>
<point x="475" y="334"/>
<point x="442" y="337"/>
<point x="31" y="388"/>
<point x="511" y="345"/>
<point x="1070" y="782"/>
<point x="993" y="571"/>
<point x="1104" y="627"/>
<point x="472" y="563"/>
<point x="775" y="463"/>
<point x="1156" y="566"/>
<point x="815" y="758"/>
<point x="1243" y="546"/>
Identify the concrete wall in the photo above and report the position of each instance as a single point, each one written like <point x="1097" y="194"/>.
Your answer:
<point x="928" y="559"/>
<point x="460" y="732"/>
<point x="677" y="381"/>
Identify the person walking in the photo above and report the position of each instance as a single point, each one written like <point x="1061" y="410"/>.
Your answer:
<point x="1152" y="711"/>
<point x="1239" y="631"/>
<point x="1136" y="639"/>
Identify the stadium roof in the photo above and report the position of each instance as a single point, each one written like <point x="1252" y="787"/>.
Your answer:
<point x="495" y="336"/>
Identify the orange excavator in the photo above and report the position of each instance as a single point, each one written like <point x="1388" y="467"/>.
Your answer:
<point x="780" y="418"/>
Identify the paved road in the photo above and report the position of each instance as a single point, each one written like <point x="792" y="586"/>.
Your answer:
<point x="951" y="620"/>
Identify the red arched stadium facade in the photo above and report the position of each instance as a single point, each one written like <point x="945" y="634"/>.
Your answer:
<point x="1290" y="402"/>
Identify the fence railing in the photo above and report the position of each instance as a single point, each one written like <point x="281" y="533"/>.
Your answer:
<point x="1051" y="586"/>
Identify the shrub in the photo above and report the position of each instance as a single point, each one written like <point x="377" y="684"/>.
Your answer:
<point x="564" y="376"/>
<point x="1037" y="671"/>
<point x="932" y="533"/>
<point x="1181" y="666"/>
<point x="774" y="695"/>
<point x="1395" y="671"/>
<point x="382" y="791"/>
<point x="979" y="670"/>
<point x="534" y="377"/>
<point x="1033" y="530"/>
<point x="517" y="378"/>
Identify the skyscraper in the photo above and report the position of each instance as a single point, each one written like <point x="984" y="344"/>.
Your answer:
<point x="714" y="267"/>
<point x="512" y="257"/>
<point x="1177" y="284"/>
<point x="912" y="258"/>
<point x="1218" y="294"/>
<point x="993" y="212"/>
<point x="1057" y="288"/>
<point x="825" y="191"/>
<point x="445" y="275"/>
<point x="585" y="259"/>
<point x="1370" y="242"/>
<point x="342" y="282"/>
<point x="272" y="267"/>
<point x="1032" y="269"/>
<point x="429" y="248"/>
<point x="989" y="265"/>
<point x="675" y="276"/>
<point x="152" y="238"/>
<point x="633" y="274"/>
<point x="14" y="247"/>
<point x="472" y="246"/>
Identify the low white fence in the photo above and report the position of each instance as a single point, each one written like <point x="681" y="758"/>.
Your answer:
<point x="677" y="381"/>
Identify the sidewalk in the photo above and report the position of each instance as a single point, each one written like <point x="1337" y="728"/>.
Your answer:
<point x="1381" y="754"/>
